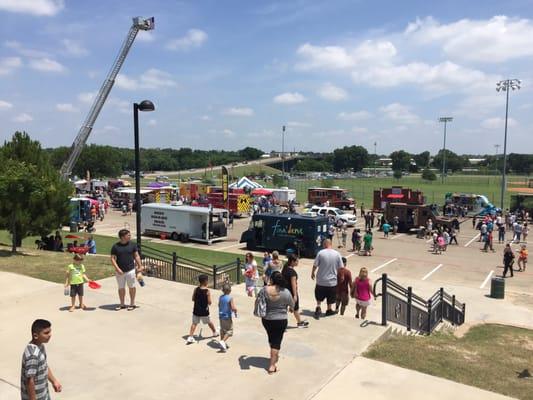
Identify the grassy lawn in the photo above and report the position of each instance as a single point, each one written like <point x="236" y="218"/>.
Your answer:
<point x="50" y="266"/>
<point x="362" y="189"/>
<point x="488" y="356"/>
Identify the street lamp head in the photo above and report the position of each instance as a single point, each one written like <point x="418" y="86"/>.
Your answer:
<point x="146" y="105"/>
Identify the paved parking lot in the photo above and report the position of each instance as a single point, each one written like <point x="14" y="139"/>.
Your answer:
<point x="403" y="257"/>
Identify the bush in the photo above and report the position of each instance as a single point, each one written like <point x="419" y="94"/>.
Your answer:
<point x="429" y="175"/>
<point x="397" y="174"/>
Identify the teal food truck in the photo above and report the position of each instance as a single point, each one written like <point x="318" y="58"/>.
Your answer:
<point x="302" y="234"/>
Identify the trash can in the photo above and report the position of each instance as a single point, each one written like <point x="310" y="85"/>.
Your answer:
<point x="497" y="288"/>
<point x="73" y="226"/>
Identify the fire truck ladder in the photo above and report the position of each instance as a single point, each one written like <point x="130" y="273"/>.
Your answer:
<point x="85" y="130"/>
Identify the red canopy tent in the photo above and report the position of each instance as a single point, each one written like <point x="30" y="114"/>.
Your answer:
<point x="261" y="192"/>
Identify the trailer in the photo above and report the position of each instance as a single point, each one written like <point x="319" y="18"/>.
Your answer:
<point x="413" y="216"/>
<point x="396" y="194"/>
<point x="476" y="204"/>
<point x="184" y="223"/>
<point x="283" y="196"/>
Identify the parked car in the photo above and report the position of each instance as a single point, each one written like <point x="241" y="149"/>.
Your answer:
<point x="336" y="213"/>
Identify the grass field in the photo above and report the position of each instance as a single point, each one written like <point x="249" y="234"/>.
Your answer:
<point x="488" y="356"/>
<point x="50" y="266"/>
<point x="362" y="189"/>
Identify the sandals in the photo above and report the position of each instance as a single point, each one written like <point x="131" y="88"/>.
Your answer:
<point x="273" y="372"/>
<point x="120" y="307"/>
<point x="131" y="307"/>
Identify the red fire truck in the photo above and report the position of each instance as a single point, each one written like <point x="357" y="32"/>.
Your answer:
<point x="239" y="204"/>
<point x="336" y="196"/>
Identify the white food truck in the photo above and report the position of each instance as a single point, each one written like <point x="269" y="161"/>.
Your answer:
<point x="184" y="223"/>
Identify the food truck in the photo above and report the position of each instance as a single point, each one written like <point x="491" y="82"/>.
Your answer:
<point x="477" y="204"/>
<point x="184" y="223"/>
<point x="396" y="194"/>
<point x="302" y="234"/>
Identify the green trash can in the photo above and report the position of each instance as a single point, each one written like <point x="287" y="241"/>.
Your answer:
<point x="497" y="288"/>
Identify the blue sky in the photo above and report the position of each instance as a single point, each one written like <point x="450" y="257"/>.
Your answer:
<point x="229" y="74"/>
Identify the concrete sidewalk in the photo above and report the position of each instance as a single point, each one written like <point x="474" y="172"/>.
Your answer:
<point x="142" y="354"/>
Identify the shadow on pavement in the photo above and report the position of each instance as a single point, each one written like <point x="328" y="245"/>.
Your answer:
<point x="246" y="362"/>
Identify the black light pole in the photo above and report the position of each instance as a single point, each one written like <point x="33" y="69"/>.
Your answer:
<point x="506" y="86"/>
<point x="145" y="105"/>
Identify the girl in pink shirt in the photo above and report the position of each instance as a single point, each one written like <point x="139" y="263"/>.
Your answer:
<point x="362" y="291"/>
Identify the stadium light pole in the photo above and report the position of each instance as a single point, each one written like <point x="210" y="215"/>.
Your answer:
<point x="497" y="147"/>
<point x="375" y="157"/>
<point x="445" y="120"/>
<point x="283" y="152"/>
<point x="505" y="85"/>
<point x="145" y="105"/>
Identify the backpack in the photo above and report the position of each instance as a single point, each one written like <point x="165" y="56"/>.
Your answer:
<point x="260" y="306"/>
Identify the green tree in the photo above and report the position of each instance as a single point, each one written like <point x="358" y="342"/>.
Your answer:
<point x="350" y="157"/>
<point x="397" y="174"/>
<point x="250" y="153"/>
<point x="277" y="180"/>
<point x="422" y="159"/>
<point x="33" y="198"/>
<point x="454" y="162"/>
<point x="400" y="160"/>
<point x="428" y="175"/>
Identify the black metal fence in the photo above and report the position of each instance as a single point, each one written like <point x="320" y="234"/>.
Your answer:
<point x="172" y="267"/>
<point x="401" y="306"/>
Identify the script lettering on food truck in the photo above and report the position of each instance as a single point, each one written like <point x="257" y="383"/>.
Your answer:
<point x="159" y="219"/>
<point x="286" y="230"/>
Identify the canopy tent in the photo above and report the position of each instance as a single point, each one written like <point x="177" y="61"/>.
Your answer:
<point x="80" y="182"/>
<point x="244" y="182"/>
<point x="158" y="185"/>
<point x="261" y="192"/>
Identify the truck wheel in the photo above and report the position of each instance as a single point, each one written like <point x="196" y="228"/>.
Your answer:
<point x="174" y="236"/>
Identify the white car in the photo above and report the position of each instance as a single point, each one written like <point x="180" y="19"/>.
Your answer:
<point x="336" y="213"/>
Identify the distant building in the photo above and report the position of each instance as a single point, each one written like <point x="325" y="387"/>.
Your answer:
<point x="475" y="161"/>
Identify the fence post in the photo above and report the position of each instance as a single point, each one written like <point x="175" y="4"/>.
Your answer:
<point x="441" y="303"/>
<point x="409" y="304"/>
<point x="384" y="301"/>
<point x="238" y="270"/>
<point x="453" y="310"/>
<point x="430" y="304"/>
<point x="214" y="276"/>
<point x="174" y="266"/>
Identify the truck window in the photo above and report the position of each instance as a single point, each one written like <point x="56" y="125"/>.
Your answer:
<point x="258" y="223"/>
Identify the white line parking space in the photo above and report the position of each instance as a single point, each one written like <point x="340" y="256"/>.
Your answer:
<point x="431" y="272"/>
<point x="397" y="236"/>
<point x="229" y="247"/>
<point x="471" y="240"/>
<point x="384" y="265"/>
<point x="486" y="279"/>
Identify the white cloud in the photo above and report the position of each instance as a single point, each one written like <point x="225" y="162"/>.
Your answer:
<point x="9" y="64"/>
<point x="358" y="129"/>
<point x="228" y="133"/>
<point x="400" y="114"/>
<point x="490" y="41"/>
<point x="87" y="97"/>
<point x="296" y="124"/>
<point x="66" y="107"/>
<point x="24" y="51"/>
<point x="439" y="77"/>
<point x="354" y="116"/>
<point x="205" y="118"/>
<point x="46" y="65"/>
<point x="289" y="98"/>
<point x="152" y="122"/>
<point x="193" y="38"/>
<point x="34" y="7"/>
<point x="338" y="57"/>
<point x="239" y="112"/>
<point x="498" y="123"/>
<point x="74" y="48"/>
<point x="151" y="79"/>
<point x="332" y="93"/>
<point x="145" y="36"/>
<point x="23" y="117"/>
<point x="5" y="105"/>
